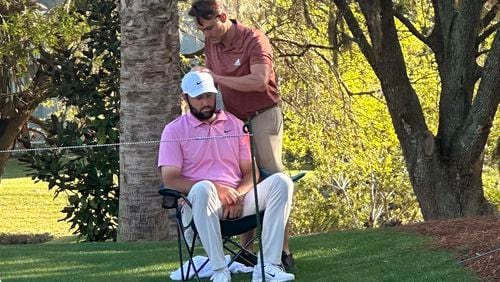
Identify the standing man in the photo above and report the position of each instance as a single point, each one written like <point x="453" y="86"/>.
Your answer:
<point x="216" y="175"/>
<point x="241" y="62"/>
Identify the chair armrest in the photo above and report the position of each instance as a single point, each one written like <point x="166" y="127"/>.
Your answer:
<point x="170" y="197"/>
<point x="264" y="174"/>
<point x="297" y="176"/>
<point x="164" y="191"/>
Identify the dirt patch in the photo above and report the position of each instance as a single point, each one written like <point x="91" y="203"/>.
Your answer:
<point x="475" y="240"/>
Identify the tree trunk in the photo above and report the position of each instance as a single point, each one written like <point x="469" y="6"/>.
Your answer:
<point x="16" y="110"/>
<point x="445" y="171"/>
<point x="149" y="88"/>
<point x="9" y="129"/>
<point x="445" y="190"/>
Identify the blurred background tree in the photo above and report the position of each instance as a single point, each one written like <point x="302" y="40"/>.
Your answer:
<point x="340" y="120"/>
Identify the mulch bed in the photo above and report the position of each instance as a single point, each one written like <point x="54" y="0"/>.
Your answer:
<point x="475" y="240"/>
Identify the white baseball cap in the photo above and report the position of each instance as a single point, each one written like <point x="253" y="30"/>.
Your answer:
<point x="196" y="83"/>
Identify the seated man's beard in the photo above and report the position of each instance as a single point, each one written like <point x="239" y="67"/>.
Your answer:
<point x="202" y="115"/>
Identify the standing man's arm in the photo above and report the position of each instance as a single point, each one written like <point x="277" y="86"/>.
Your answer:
<point x="256" y="80"/>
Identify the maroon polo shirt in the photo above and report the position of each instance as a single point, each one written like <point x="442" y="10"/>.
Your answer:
<point x="249" y="46"/>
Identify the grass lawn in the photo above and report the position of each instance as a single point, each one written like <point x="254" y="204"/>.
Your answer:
<point x="27" y="207"/>
<point x="375" y="255"/>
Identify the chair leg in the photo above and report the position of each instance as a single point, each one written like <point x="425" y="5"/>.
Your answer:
<point x="179" y="247"/>
<point x="190" y="252"/>
<point x="241" y="249"/>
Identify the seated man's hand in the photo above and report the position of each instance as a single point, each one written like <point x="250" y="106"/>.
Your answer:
<point x="227" y="195"/>
<point x="233" y="211"/>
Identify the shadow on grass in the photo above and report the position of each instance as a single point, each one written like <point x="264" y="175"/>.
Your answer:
<point x="15" y="169"/>
<point x="87" y="262"/>
<point x="376" y="255"/>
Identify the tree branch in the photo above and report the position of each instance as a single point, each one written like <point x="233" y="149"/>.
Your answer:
<point x="411" y="27"/>
<point x="343" y="86"/>
<point x="486" y="33"/>
<point x="303" y="45"/>
<point x="307" y="16"/>
<point x="479" y="121"/>
<point x="356" y="31"/>
<point x="486" y="20"/>
<point x="435" y="39"/>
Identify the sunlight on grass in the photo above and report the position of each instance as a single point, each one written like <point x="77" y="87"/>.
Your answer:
<point x="369" y="255"/>
<point x="360" y="255"/>
<point x="30" y="208"/>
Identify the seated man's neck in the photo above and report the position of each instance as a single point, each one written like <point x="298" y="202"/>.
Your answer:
<point x="209" y="120"/>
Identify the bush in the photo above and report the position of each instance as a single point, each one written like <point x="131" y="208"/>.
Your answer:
<point x="86" y="80"/>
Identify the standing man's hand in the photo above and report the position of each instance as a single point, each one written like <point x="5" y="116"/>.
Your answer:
<point x="200" y="69"/>
<point x="205" y="69"/>
<point x="227" y="195"/>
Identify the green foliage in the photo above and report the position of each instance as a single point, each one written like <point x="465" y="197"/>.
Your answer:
<point x="86" y="80"/>
<point x="491" y="169"/>
<point x="336" y="118"/>
<point x="26" y="29"/>
<point x="26" y="32"/>
<point x="336" y="125"/>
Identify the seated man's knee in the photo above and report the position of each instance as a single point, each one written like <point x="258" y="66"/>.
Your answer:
<point x="284" y="182"/>
<point x="202" y="190"/>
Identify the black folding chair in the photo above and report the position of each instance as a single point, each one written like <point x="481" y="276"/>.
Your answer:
<point x="229" y="229"/>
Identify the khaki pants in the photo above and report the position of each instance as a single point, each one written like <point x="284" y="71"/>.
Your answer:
<point x="268" y="137"/>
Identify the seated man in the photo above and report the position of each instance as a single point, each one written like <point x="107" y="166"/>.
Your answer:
<point x="216" y="174"/>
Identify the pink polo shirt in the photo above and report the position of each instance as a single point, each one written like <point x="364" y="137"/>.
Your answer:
<point x="216" y="159"/>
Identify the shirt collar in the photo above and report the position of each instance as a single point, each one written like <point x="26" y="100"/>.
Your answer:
<point x="239" y="29"/>
<point x="220" y="115"/>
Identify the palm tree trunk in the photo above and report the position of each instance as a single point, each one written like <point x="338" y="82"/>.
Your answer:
<point x="149" y="88"/>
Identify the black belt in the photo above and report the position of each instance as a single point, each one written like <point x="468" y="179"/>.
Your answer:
<point x="261" y="111"/>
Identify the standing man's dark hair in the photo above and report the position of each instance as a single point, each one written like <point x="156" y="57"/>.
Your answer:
<point x="206" y="9"/>
<point x="240" y="60"/>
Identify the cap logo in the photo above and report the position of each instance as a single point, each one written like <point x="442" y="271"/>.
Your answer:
<point x="196" y="83"/>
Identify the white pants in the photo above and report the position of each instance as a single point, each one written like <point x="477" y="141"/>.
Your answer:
<point x="275" y="197"/>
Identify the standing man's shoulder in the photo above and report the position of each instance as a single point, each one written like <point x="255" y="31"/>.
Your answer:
<point x="256" y="45"/>
<point x="251" y="33"/>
